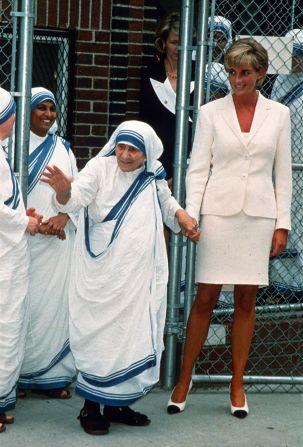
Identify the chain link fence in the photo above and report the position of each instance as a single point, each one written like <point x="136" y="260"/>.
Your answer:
<point x="52" y="52"/>
<point x="7" y="45"/>
<point x="276" y="357"/>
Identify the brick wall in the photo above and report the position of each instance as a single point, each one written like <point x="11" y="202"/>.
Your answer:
<point x="133" y="28"/>
<point x="111" y="38"/>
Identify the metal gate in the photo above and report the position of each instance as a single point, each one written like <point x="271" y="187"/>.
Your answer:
<point x="276" y="357"/>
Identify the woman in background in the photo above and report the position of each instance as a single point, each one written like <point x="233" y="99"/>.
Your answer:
<point x="158" y="89"/>
<point x="48" y="367"/>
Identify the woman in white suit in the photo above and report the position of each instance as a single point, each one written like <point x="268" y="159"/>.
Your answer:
<point x="241" y="141"/>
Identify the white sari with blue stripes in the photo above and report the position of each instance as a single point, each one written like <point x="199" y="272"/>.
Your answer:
<point x="13" y="283"/>
<point x="118" y="289"/>
<point x="286" y="271"/>
<point x="48" y="362"/>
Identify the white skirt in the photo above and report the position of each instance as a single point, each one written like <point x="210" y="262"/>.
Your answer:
<point x="234" y="249"/>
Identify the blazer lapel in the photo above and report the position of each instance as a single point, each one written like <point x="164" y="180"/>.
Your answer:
<point x="261" y="113"/>
<point x="228" y="113"/>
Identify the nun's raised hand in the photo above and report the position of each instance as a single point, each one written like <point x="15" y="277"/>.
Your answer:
<point x="60" y="182"/>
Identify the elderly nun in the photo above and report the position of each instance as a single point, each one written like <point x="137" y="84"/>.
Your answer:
<point x="48" y="366"/>
<point x="118" y="289"/>
<point x="14" y="223"/>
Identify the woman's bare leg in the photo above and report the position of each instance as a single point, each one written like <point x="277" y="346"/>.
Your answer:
<point x="196" y="333"/>
<point x="241" y="336"/>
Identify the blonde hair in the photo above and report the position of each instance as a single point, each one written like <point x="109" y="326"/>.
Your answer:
<point x="247" y="51"/>
<point x="170" y="24"/>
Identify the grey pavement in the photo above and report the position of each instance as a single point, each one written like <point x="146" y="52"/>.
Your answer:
<point x="275" y="420"/>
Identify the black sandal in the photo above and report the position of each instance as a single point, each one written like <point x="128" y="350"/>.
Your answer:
<point x="125" y="415"/>
<point x="93" y="424"/>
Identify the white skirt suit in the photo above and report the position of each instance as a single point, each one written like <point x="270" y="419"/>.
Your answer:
<point x="239" y="187"/>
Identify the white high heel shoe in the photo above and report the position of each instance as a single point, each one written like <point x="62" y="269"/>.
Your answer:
<point x="177" y="407"/>
<point x="239" y="412"/>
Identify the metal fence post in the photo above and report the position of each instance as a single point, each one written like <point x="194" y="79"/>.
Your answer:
<point x="23" y="94"/>
<point x="181" y="141"/>
<point x="199" y="95"/>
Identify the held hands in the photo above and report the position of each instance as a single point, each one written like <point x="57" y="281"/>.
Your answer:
<point x="60" y="182"/>
<point x="279" y="242"/>
<point x="54" y="226"/>
<point x="31" y="212"/>
<point x="32" y="226"/>
<point x="34" y="220"/>
<point x="188" y="224"/>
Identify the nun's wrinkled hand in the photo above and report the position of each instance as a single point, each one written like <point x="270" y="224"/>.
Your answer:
<point x="60" y="182"/>
<point x="189" y="225"/>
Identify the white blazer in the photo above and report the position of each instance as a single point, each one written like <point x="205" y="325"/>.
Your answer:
<point x="227" y="173"/>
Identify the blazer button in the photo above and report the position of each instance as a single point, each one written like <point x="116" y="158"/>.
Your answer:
<point x="243" y="176"/>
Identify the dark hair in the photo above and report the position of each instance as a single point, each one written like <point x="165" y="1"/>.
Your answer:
<point x="246" y="51"/>
<point x="170" y="24"/>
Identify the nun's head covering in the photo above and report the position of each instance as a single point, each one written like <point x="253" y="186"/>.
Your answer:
<point x="140" y="135"/>
<point x="297" y="36"/>
<point x="40" y="94"/>
<point x="218" y="79"/>
<point x="7" y="105"/>
<point x="221" y="25"/>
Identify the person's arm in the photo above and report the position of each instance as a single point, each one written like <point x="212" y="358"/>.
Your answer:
<point x="13" y="222"/>
<point x="174" y="216"/>
<point x="283" y="173"/>
<point x="189" y="225"/>
<point x="73" y="217"/>
<point x="60" y="182"/>
<point x="149" y="103"/>
<point x="283" y="186"/>
<point x="72" y="195"/>
<point x="199" y="164"/>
